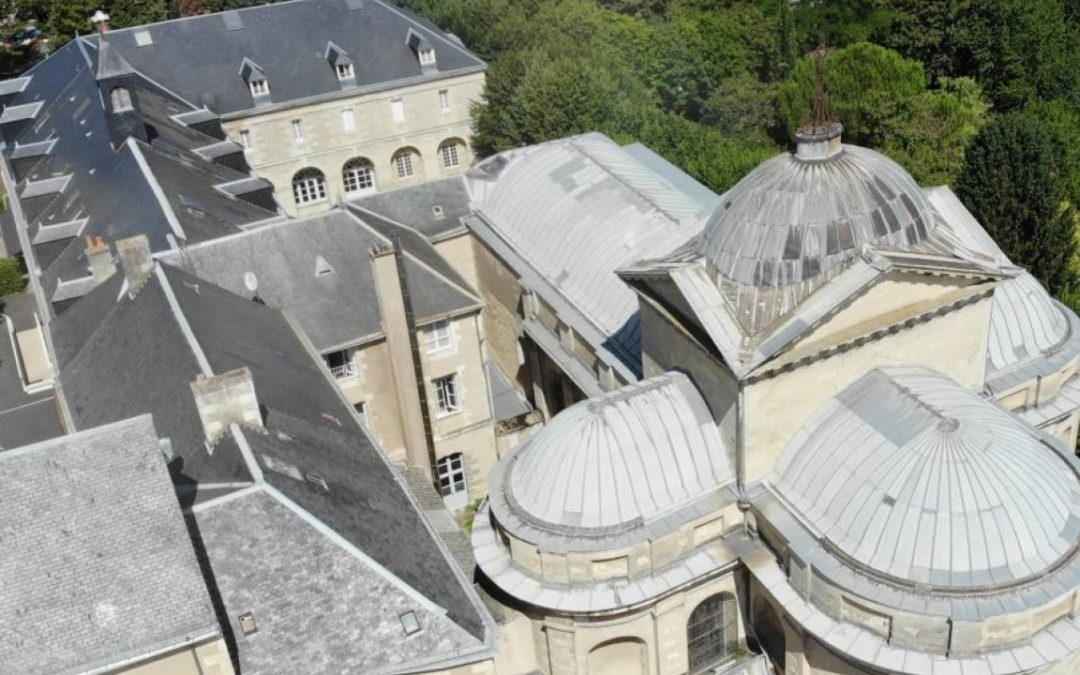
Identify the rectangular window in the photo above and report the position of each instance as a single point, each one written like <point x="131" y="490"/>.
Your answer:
<point x="259" y="87"/>
<point x="437" y="336"/>
<point x="444" y="100"/>
<point x="340" y="364"/>
<point x="361" y="412"/>
<point x="298" y="130"/>
<point x="450" y="157"/>
<point x="397" y="109"/>
<point x="348" y="120"/>
<point x="446" y="395"/>
<point x="427" y="57"/>
<point x="451" y="474"/>
<point x="344" y="71"/>
<point x="245" y="139"/>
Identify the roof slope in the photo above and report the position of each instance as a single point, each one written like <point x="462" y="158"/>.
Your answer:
<point x="571" y="212"/>
<point x="270" y="561"/>
<point x="415" y="205"/>
<point x="97" y="566"/>
<point x="917" y="479"/>
<point x="200" y="57"/>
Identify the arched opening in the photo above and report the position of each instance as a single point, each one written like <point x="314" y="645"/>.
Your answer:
<point x="712" y="632"/>
<point x="358" y="175"/>
<point x="452" y="154"/>
<point x="121" y="99"/>
<point x="769" y="630"/>
<point x="308" y="185"/>
<point x="406" y="163"/>
<point x="623" y="656"/>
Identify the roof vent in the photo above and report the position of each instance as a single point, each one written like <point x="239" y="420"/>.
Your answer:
<point x="233" y="21"/>
<point x="322" y="268"/>
<point x="354" y="4"/>
<point x="247" y="623"/>
<point x="226" y="399"/>
<point x="143" y="38"/>
<point x="410" y="623"/>
<point x="438" y="212"/>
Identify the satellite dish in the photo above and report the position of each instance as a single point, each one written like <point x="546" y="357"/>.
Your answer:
<point x="251" y="282"/>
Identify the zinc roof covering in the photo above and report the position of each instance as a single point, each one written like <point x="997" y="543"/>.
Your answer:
<point x="916" y="480"/>
<point x="790" y="219"/>
<point x="577" y="209"/>
<point x="626" y="457"/>
<point x="1025" y="323"/>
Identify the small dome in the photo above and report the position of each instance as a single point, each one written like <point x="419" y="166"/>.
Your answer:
<point x="626" y="457"/>
<point x="1025" y="323"/>
<point x="801" y="214"/>
<point x="910" y="477"/>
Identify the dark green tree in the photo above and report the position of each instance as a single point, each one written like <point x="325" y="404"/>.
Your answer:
<point x="1011" y="182"/>
<point x="68" y="18"/>
<point x="123" y="13"/>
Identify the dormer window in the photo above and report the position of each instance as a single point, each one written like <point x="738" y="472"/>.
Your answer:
<point x="427" y="57"/>
<point x="425" y="53"/>
<point x="121" y="99"/>
<point x="341" y="63"/>
<point x="345" y="71"/>
<point x="260" y="87"/>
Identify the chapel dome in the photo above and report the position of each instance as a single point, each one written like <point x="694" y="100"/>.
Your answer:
<point x="913" y="479"/>
<point x="802" y="214"/>
<point x="620" y="459"/>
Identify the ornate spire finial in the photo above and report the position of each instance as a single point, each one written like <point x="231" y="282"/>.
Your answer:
<point x="820" y="137"/>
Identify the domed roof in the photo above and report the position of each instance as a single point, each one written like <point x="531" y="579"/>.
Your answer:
<point x="620" y="459"/>
<point x="908" y="476"/>
<point x="1025" y="323"/>
<point x="801" y="214"/>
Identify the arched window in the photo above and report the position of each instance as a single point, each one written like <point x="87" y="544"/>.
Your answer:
<point x="452" y="153"/>
<point x="406" y="162"/>
<point x="308" y="185"/>
<point x="624" y="656"/>
<point x="121" y="99"/>
<point x="358" y="175"/>
<point x="712" y="632"/>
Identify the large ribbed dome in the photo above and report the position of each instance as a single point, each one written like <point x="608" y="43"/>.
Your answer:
<point x="626" y="457"/>
<point x="909" y="476"/>
<point x="800" y="214"/>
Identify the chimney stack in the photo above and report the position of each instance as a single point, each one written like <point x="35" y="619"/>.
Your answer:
<point x="100" y="258"/>
<point x="136" y="261"/>
<point x="226" y="399"/>
<point x="100" y="20"/>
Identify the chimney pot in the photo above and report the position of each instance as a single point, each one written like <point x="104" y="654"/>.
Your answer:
<point x="100" y="259"/>
<point x="101" y="20"/>
<point x="136" y="261"/>
<point x="226" y="399"/>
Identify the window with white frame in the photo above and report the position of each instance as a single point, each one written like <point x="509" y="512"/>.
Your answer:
<point x="308" y="185"/>
<point x="348" y="120"/>
<point x="298" y="130"/>
<point x="340" y="364"/>
<point x="427" y="57"/>
<point x="121" y="99"/>
<point x="446" y="395"/>
<point x="437" y="336"/>
<point x="403" y="163"/>
<point x="397" y="109"/>
<point x="361" y="412"/>
<point x="451" y="154"/>
<point x="444" y="100"/>
<point x="451" y="470"/>
<point x="344" y="71"/>
<point x="259" y="87"/>
<point x="245" y="139"/>
<point x="358" y="174"/>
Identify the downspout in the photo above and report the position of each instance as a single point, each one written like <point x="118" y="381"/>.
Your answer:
<point x="418" y="371"/>
<point x="740" y="457"/>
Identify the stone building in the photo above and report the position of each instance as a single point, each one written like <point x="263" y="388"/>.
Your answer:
<point x="851" y="449"/>
<point x="328" y="99"/>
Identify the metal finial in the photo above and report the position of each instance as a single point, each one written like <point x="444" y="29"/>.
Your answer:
<point x="821" y="114"/>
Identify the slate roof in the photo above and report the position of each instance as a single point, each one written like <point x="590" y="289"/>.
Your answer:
<point x="415" y="206"/>
<point x="163" y="181"/>
<point x="97" y="566"/>
<point x="339" y="307"/>
<point x="142" y="358"/>
<point x="298" y="581"/>
<point x="200" y="57"/>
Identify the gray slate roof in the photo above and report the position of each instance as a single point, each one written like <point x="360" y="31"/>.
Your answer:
<point x="415" y="206"/>
<point x="299" y="583"/>
<point x="335" y="309"/>
<point x="200" y="57"/>
<point x="97" y="566"/>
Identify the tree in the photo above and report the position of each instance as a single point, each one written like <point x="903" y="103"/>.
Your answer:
<point x="741" y="105"/>
<point x="68" y="18"/>
<point x="11" y="276"/>
<point x="124" y="13"/>
<point x="1011" y="184"/>
<point x="926" y="30"/>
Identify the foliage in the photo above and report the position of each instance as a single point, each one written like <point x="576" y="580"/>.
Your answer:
<point x="1011" y="182"/>
<point x="123" y="13"/>
<point x="68" y="18"/>
<point x="11" y="276"/>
